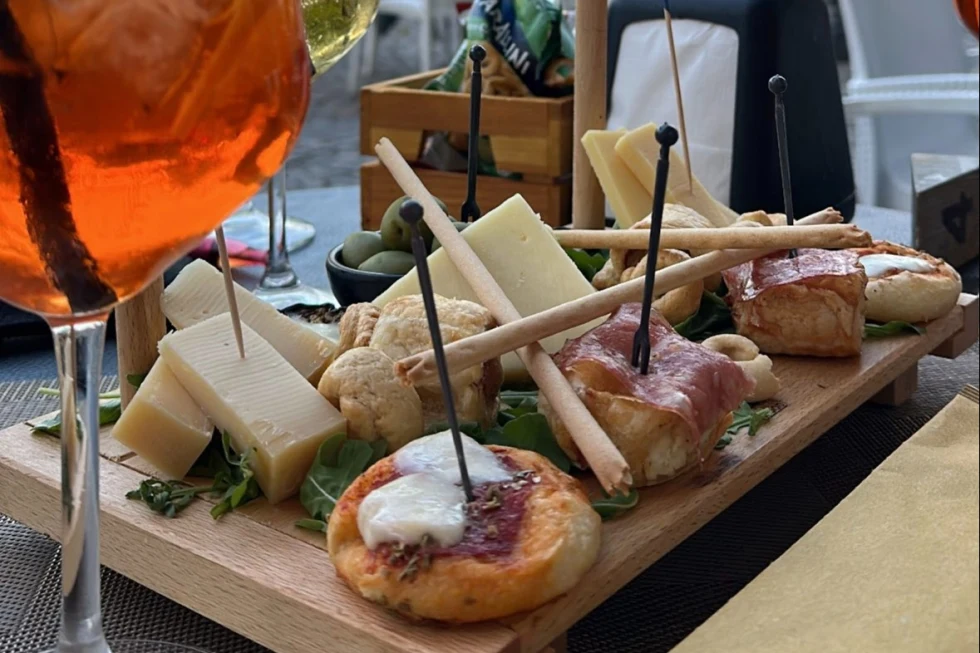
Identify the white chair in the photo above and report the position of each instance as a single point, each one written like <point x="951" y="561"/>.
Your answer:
<point x="434" y="17"/>
<point x="907" y="57"/>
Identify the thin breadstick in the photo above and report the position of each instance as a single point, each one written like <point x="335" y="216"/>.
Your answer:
<point x="507" y="337"/>
<point x="606" y="461"/>
<point x="828" y="236"/>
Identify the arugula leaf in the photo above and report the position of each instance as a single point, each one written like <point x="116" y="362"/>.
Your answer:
<point x="712" y="318"/>
<point x="312" y="525"/>
<point x="612" y="506"/>
<point x="588" y="263"/>
<point x="338" y="462"/>
<point x="135" y="380"/>
<point x="745" y="417"/>
<point x="519" y="408"/>
<point x="471" y="429"/>
<point x="893" y="328"/>
<point x="530" y="431"/>
<point x="236" y="485"/>
<point x="109" y="412"/>
<point x="165" y="497"/>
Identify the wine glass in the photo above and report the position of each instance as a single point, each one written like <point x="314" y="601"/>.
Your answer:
<point x="333" y="27"/>
<point x="128" y="130"/>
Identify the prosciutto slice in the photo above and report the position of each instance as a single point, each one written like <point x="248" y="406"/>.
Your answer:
<point x="685" y="378"/>
<point x="747" y="281"/>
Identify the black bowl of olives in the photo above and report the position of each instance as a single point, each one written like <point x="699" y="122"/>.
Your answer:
<point x="369" y="262"/>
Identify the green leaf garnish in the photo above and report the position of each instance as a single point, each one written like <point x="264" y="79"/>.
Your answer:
<point x="612" y="506"/>
<point x="135" y="380"/>
<point x="165" y="497"/>
<point x="893" y="328"/>
<point x="745" y="417"/>
<point x="237" y="485"/>
<point x="109" y="411"/>
<point x="713" y="317"/>
<point x="530" y="431"/>
<point x="587" y="263"/>
<point x="312" y="525"/>
<point x="338" y="462"/>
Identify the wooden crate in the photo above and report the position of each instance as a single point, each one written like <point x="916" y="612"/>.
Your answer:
<point x="379" y="190"/>
<point x="531" y="136"/>
<point x="259" y="575"/>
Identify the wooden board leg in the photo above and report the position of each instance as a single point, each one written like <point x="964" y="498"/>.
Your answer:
<point x="140" y="324"/>
<point x="560" y="645"/>
<point x="900" y="390"/>
<point x="963" y="339"/>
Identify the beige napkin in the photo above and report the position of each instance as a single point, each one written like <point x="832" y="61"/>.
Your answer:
<point x="893" y="568"/>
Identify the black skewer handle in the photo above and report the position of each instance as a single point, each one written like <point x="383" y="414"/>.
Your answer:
<point x="778" y="85"/>
<point x="411" y="213"/>
<point x="470" y="209"/>
<point x="667" y="137"/>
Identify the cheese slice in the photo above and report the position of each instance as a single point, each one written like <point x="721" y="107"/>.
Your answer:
<point x="411" y="507"/>
<point x="878" y="265"/>
<point x="198" y="293"/>
<point x="261" y="401"/>
<point x="163" y="424"/>
<point x="436" y="454"/>
<point x="630" y="201"/>
<point x="526" y="261"/>
<point x="640" y="151"/>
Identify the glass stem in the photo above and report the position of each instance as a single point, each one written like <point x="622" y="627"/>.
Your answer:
<point x="78" y="350"/>
<point x="279" y="272"/>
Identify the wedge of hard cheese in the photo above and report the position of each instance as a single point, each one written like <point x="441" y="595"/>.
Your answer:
<point x="164" y="425"/>
<point x="261" y="401"/>
<point x="523" y="257"/>
<point x="639" y="150"/>
<point x="629" y="200"/>
<point x="198" y="293"/>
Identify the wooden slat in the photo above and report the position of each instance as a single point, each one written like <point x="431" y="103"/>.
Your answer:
<point x="256" y="573"/>
<point x="963" y="339"/>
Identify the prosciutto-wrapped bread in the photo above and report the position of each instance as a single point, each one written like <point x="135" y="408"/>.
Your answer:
<point x="663" y="422"/>
<point x="809" y="305"/>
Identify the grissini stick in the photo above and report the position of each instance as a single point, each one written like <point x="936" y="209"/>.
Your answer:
<point x="506" y="337"/>
<point x="605" y="460"/>
<point x="827" y="236"/>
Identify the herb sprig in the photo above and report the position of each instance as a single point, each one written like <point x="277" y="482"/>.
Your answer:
<point x="110" y="409"/>
<point x="712" y="318"/>
<point x="745" y="417"/>
<point x="893" y="328"/>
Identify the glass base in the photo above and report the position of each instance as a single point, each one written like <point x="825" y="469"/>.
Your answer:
<point x="251" y="226"/>
<point x="298" y="294"/>
<point x="141" y="646"/>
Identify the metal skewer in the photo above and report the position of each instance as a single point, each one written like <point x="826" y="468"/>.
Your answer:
<point x="667" y="137"/>
<point x="411" y="213"/>
<point x="470" y="209"/>
<point x="777" y="85"/>
<point x="677" y="94"/>
<point x="236" y="320"/>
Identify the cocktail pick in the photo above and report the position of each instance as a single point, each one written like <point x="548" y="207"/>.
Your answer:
<point x="470" y="210"/>
<point x="777" y="85"/>
<point x="677" y="94"/>
<point x="411" y="213"/>
<point x="236" y="320"/>
<point x="667" y="137"/>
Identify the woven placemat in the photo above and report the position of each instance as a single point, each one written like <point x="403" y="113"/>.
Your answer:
<point x="650" y="615"/>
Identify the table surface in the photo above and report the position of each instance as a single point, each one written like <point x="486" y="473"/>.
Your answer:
<point x="652" y="613"/>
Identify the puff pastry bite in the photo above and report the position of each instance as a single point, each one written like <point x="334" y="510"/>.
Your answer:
<point x="664" y="422"/>
<point x="403" y="535"/>
<point x="809" y="305"/>
<point x="906" y="284"/>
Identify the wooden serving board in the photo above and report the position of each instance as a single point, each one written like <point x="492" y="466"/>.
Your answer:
<point x="259" y="575"/>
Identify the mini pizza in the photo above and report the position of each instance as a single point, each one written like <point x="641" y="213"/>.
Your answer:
<point x="664" y="422"/>
<point x="906" y="284"/>
<point x="808" y="305"/>
<point x="404" y="536"/>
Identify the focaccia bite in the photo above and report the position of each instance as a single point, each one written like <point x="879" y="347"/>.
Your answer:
<point x="528" y="537"/>
<point x="664" y="422"/>
<point x="809" y="305"/>
<point x="906" y="284"/>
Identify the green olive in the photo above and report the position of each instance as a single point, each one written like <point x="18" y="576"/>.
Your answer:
<point x="396" y="234"/>
<point x="389" y="263"/>
<point x="360" y="246"/>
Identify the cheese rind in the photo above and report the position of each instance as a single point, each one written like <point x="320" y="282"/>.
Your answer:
<point x="261" y="401"/>
<point x="411" y="507"/>
<point x="630" y="201"/>
<point x="640" y="150"/>
<point x="198" y="293"/>
<point x="436" y="454"/>
<point x="163" y="424"/>
<point x="526" y="261"/>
